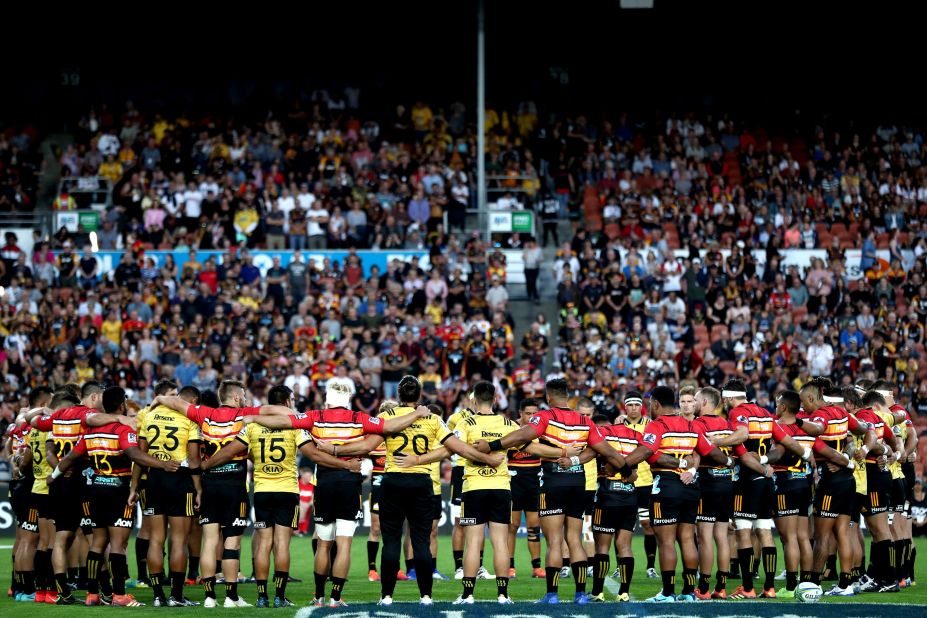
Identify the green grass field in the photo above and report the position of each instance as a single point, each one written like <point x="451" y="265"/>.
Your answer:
<point x="523" y="589"/>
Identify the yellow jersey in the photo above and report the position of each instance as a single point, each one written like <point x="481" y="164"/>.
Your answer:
<point x="40" y="467"/>
<point x="452" y="422"/>
<point x="273" y="452"/>
<point x="901" y="435"/>
<point x="422" y="436"/>
<point x="644" y="474"/>
<point x="591" y="469"/>
<point x="167" y="433"/>
<point x="487" y="427"/>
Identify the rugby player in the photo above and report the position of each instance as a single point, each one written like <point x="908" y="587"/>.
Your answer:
<point x="562" y="501"/>
<point x="111" y="450"/>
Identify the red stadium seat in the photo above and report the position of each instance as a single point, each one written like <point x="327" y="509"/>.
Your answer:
<point x="701" y="333"/>
<point x="717" y="330"/>
<point x="729" y="367"/>
<point x="799" y="314"/>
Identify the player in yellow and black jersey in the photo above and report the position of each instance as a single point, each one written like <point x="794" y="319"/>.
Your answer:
<point x="408" y="492"/>
<point x="634" y="418"/>
<point x="170" y="499"/>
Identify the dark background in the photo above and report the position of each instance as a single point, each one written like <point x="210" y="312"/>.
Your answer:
<point x="755" y="59"/>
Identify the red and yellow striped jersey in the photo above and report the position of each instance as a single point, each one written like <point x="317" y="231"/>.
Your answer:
<point x="378" y="458"/>
<point x="712" y="427"/>
<point x="562" y="428"/>
<point x="760" y="425"/>
<point x="338" y="426"/>
<point x="218" y="427"/>
<point x="65" y="427"/>
<point x="106" y="447"/>
<point x="837" y="424"/>
<point x="673" y="436"/>
<point x="621" y="438"/>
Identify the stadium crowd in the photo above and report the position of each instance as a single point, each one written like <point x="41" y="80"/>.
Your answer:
<point x="634" y="315"/>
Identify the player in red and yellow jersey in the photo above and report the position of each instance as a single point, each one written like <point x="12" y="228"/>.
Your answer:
<point x="833" y="499"/>
<point x="69" y="499"/>
<point x="755" y="429"/>
<point x="111" y="449"/>
<point x="794" y="490"/>
<point x="672" y="446"/>
<point x="615" y="513"/>
<point x="562" y="499"/>
<point x="525" y="469"/>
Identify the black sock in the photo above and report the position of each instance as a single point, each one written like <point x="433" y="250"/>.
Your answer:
<point x="38" y="560"/>
<point x="337" y="587"/>
<point x="897" y="558"/>
<point x="689" y="579"/>
<point x="669" y="583"/>
<point x="625" y="574"/>
<point x="831" y="567"/>
<point x="372" y="548"/>
<point x="458" y="559"/>
<point x="912" y="557"/>
<point x="219" y="567"/>
<point x="157" y="585"/>
<point x="844" y="581"/>
<point x="704" y="582"/>
<point x="320" y="585"/>
<point x="791" y="580"/>
<point x="177" y="581"/>
<point x="141" y="558"/>
<point x="14" y="580"/>
<point x="566" y="562"/>
<point x="734" y="570"/>
<point x="812" y="576"/>
<point x="106" y="586"/>
<point x="93" y="571"/>
<point x="746" y="558"/>
<point x="261" y="588"/>
<point x="650" y="549"/>
<point x="906" y="559"/>
<point x="280" y="580"/>
<point x="721" y="584"/>
<point x="770" y="559"/>
<point x="119" y="569"/>
<point x="82" y="575"/>
<point x="502" y="586"/>
<point x="579" y="574"/>
<point x="600" y="566"/>
<point x="553" y="579"/>
<point x="231" y="590"/>
<point x="410" y="564"/>
<point x="535" y="563"/>
<point x="28" y="582"/>
<point x="469" y="583"/>
<point x="481" y="557"/>
<point x="511" y="562"/>
<point x="315" y="546"/>
<point x="193" y="570"/>
<point x="61" y="585"/>
<point x="209" y="587"/>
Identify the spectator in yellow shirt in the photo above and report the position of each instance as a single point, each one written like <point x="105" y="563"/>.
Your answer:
<point x="111" y="169"/>
<point x="112" y="327"/>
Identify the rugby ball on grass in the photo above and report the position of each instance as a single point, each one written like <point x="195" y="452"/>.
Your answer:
<point x="808" y="592"/>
